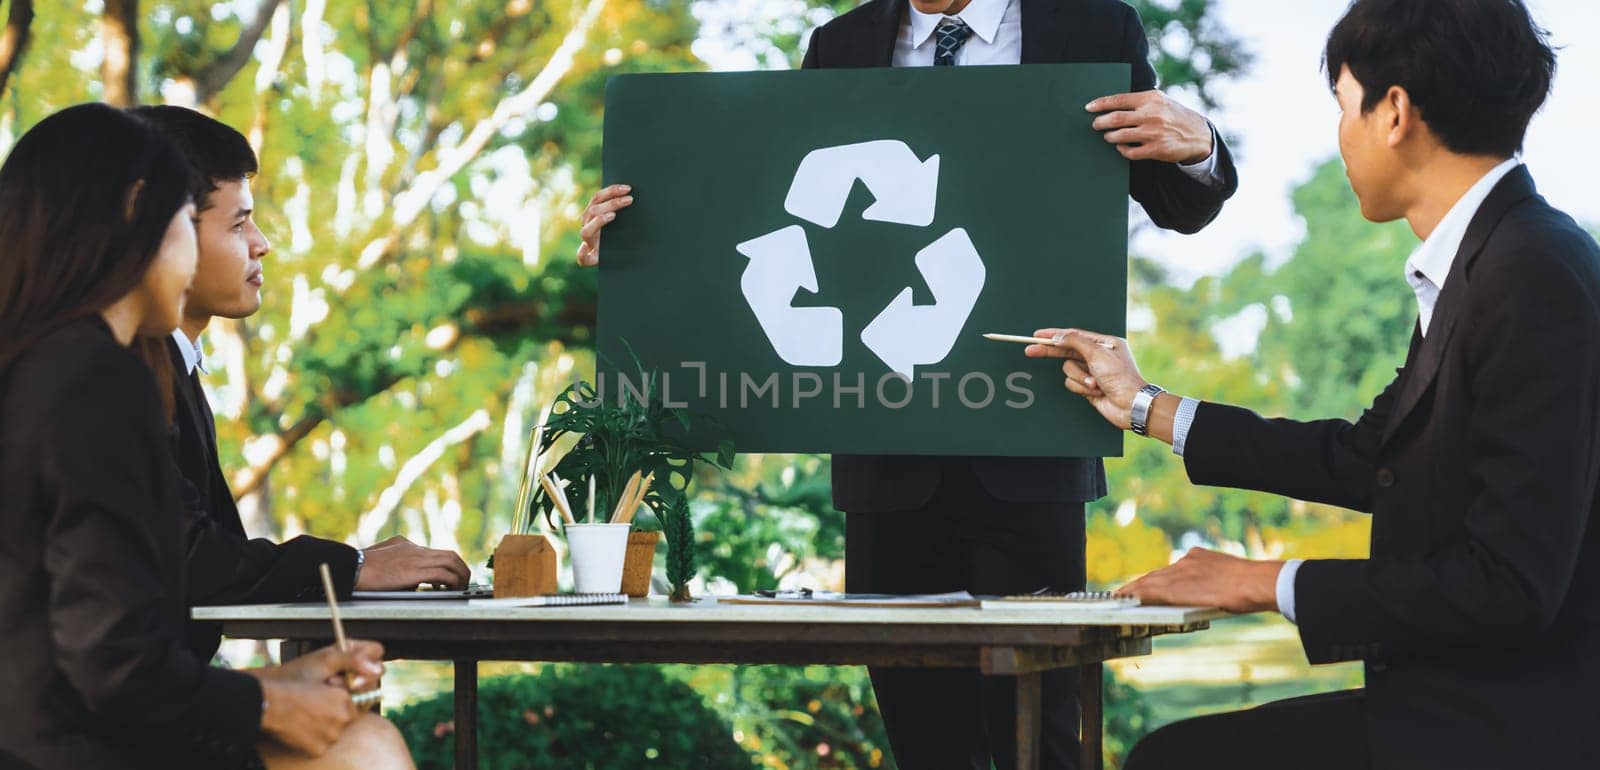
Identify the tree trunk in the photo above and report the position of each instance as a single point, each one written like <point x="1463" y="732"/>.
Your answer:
<point x="210" y="80"/>
<point x="119" y="32"/>
<point x="14" y="38"/>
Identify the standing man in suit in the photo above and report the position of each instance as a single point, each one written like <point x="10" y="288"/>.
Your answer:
<point x="1478" y="613"/>
<point x="994" y="525"/>
<point x="226" y="566"/>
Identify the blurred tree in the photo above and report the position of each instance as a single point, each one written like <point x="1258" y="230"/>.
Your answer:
<point x="119" y="60"/>
<point x="14" y="38"/>
<point x="1346" y="314"/>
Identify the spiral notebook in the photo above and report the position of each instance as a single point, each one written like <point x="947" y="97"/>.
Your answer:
<point x="1078" y="600"/>
<point x="552" y="600"/>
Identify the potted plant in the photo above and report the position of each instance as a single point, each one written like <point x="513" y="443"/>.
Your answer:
<point x="619" y="435"/>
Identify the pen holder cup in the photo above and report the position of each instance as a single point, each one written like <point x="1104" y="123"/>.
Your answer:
<point x="524" y="565"/>
<point x="598" y="553"/>
<point x="640" y="563"/>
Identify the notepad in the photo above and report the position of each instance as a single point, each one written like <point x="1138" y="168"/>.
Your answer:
<point x="1078" y="600"/>
<point x="471" y="592"/>
<point x="552" y="600"/>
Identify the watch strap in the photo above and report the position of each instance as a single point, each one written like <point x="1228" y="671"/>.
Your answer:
<point x="1139" y="416"/>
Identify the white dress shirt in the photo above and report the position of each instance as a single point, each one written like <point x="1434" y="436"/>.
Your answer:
<point x="1426" y="271"/>
<point x="997" y="39"/>
<point x="1429" y="265"/>
<point x="192" y="357"/>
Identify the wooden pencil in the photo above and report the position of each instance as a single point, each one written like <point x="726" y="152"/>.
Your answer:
<point x="333" y="613"/>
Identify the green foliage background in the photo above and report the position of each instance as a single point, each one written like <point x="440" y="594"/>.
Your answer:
<point x="425" y="164"/>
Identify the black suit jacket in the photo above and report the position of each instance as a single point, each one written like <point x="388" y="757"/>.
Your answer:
<point x="1478" y="613"/>
<point x="95" y="667"/>
<point x="226" y="566"/>
<point x="1053" y="32"/>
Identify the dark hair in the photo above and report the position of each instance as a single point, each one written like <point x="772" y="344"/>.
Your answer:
<point x="1477" y="69"/>
<point x="216" y="153"/>
<point x="70" y="242"/>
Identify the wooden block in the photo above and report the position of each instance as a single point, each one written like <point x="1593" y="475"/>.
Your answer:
<point x="524" y="565"/>
<point x="640" y="563"/>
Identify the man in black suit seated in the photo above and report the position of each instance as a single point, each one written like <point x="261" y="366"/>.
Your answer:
<point x="225" y="566"/>
<point x="1478" y="613"/>
<point x="994" y="525"/>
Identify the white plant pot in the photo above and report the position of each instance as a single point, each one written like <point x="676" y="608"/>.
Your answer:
<point x="598" y="554"/>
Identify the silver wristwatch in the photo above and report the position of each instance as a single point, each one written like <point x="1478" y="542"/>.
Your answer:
<point x="1140" y="415"/>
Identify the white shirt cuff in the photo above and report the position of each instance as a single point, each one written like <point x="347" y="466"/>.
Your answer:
<point x="1181" y="423"/>
<point x="1205" y="171"/>
<point x="1286" y="587"/>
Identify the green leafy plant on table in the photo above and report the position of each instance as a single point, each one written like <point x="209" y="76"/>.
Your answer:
<point x="633" y="430"/>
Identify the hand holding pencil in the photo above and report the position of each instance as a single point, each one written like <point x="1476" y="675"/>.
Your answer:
<point x="307" y="702"/>
<point x="1098" y="367"/>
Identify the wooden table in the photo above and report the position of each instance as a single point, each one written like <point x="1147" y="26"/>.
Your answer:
<point x="1016" y="644"/>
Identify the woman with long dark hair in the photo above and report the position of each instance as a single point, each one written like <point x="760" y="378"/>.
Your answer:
<point x="96" y="252"/>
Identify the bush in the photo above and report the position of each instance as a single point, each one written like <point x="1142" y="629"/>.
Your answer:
<point x="1128" y="717"/>
<point x="808" y="718"/>
<point x="591" y="717"/>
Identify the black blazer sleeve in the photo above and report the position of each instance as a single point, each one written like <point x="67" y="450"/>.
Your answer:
<point x="110" y="612"/>
<point x="225" y="566"/>
<point x="1172" y="199"/>
<point x="1327" y="461"/>
<point x="228" y="568"/>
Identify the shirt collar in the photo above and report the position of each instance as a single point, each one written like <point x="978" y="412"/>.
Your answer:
<point x="1436" y="254"/>
<point x="983" y="16"/>
<point x="192" y="357"/>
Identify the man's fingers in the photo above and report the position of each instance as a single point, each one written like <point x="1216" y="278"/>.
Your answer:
<point x="438" y="576"/>
<point x="608" y="207"/>
<point x="591" y="230"/>
<point x="1136" y="135"/>
<point x="1131" y="589"/>
<point x="1083" y="343"/>
<point x="1076" y="388"/>
<point x="1128" y="101"/>
<point x="1118" y="119"/>
<point x="1140" y="152"/>
<point x="457" y="568"/>
<point x="607" y="193"/>
<point x="1044" y="351"/>
<point x="1078" y="372"/>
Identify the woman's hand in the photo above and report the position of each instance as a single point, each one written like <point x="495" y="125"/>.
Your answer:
<point x="307" y="717"/>
<point x="363" y="663"/>
<point x="307" y="699"/>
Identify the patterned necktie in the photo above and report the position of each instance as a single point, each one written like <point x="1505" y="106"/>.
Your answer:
<point x="950" y="36"/>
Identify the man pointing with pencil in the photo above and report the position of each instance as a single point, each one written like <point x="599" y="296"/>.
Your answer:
<point x="1477" y="614"/>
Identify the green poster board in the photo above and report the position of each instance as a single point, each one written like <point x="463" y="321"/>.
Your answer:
<point x="814" y="256"/>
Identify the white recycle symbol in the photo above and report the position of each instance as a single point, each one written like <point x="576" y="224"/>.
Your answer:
<point x="905" y="190"/>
